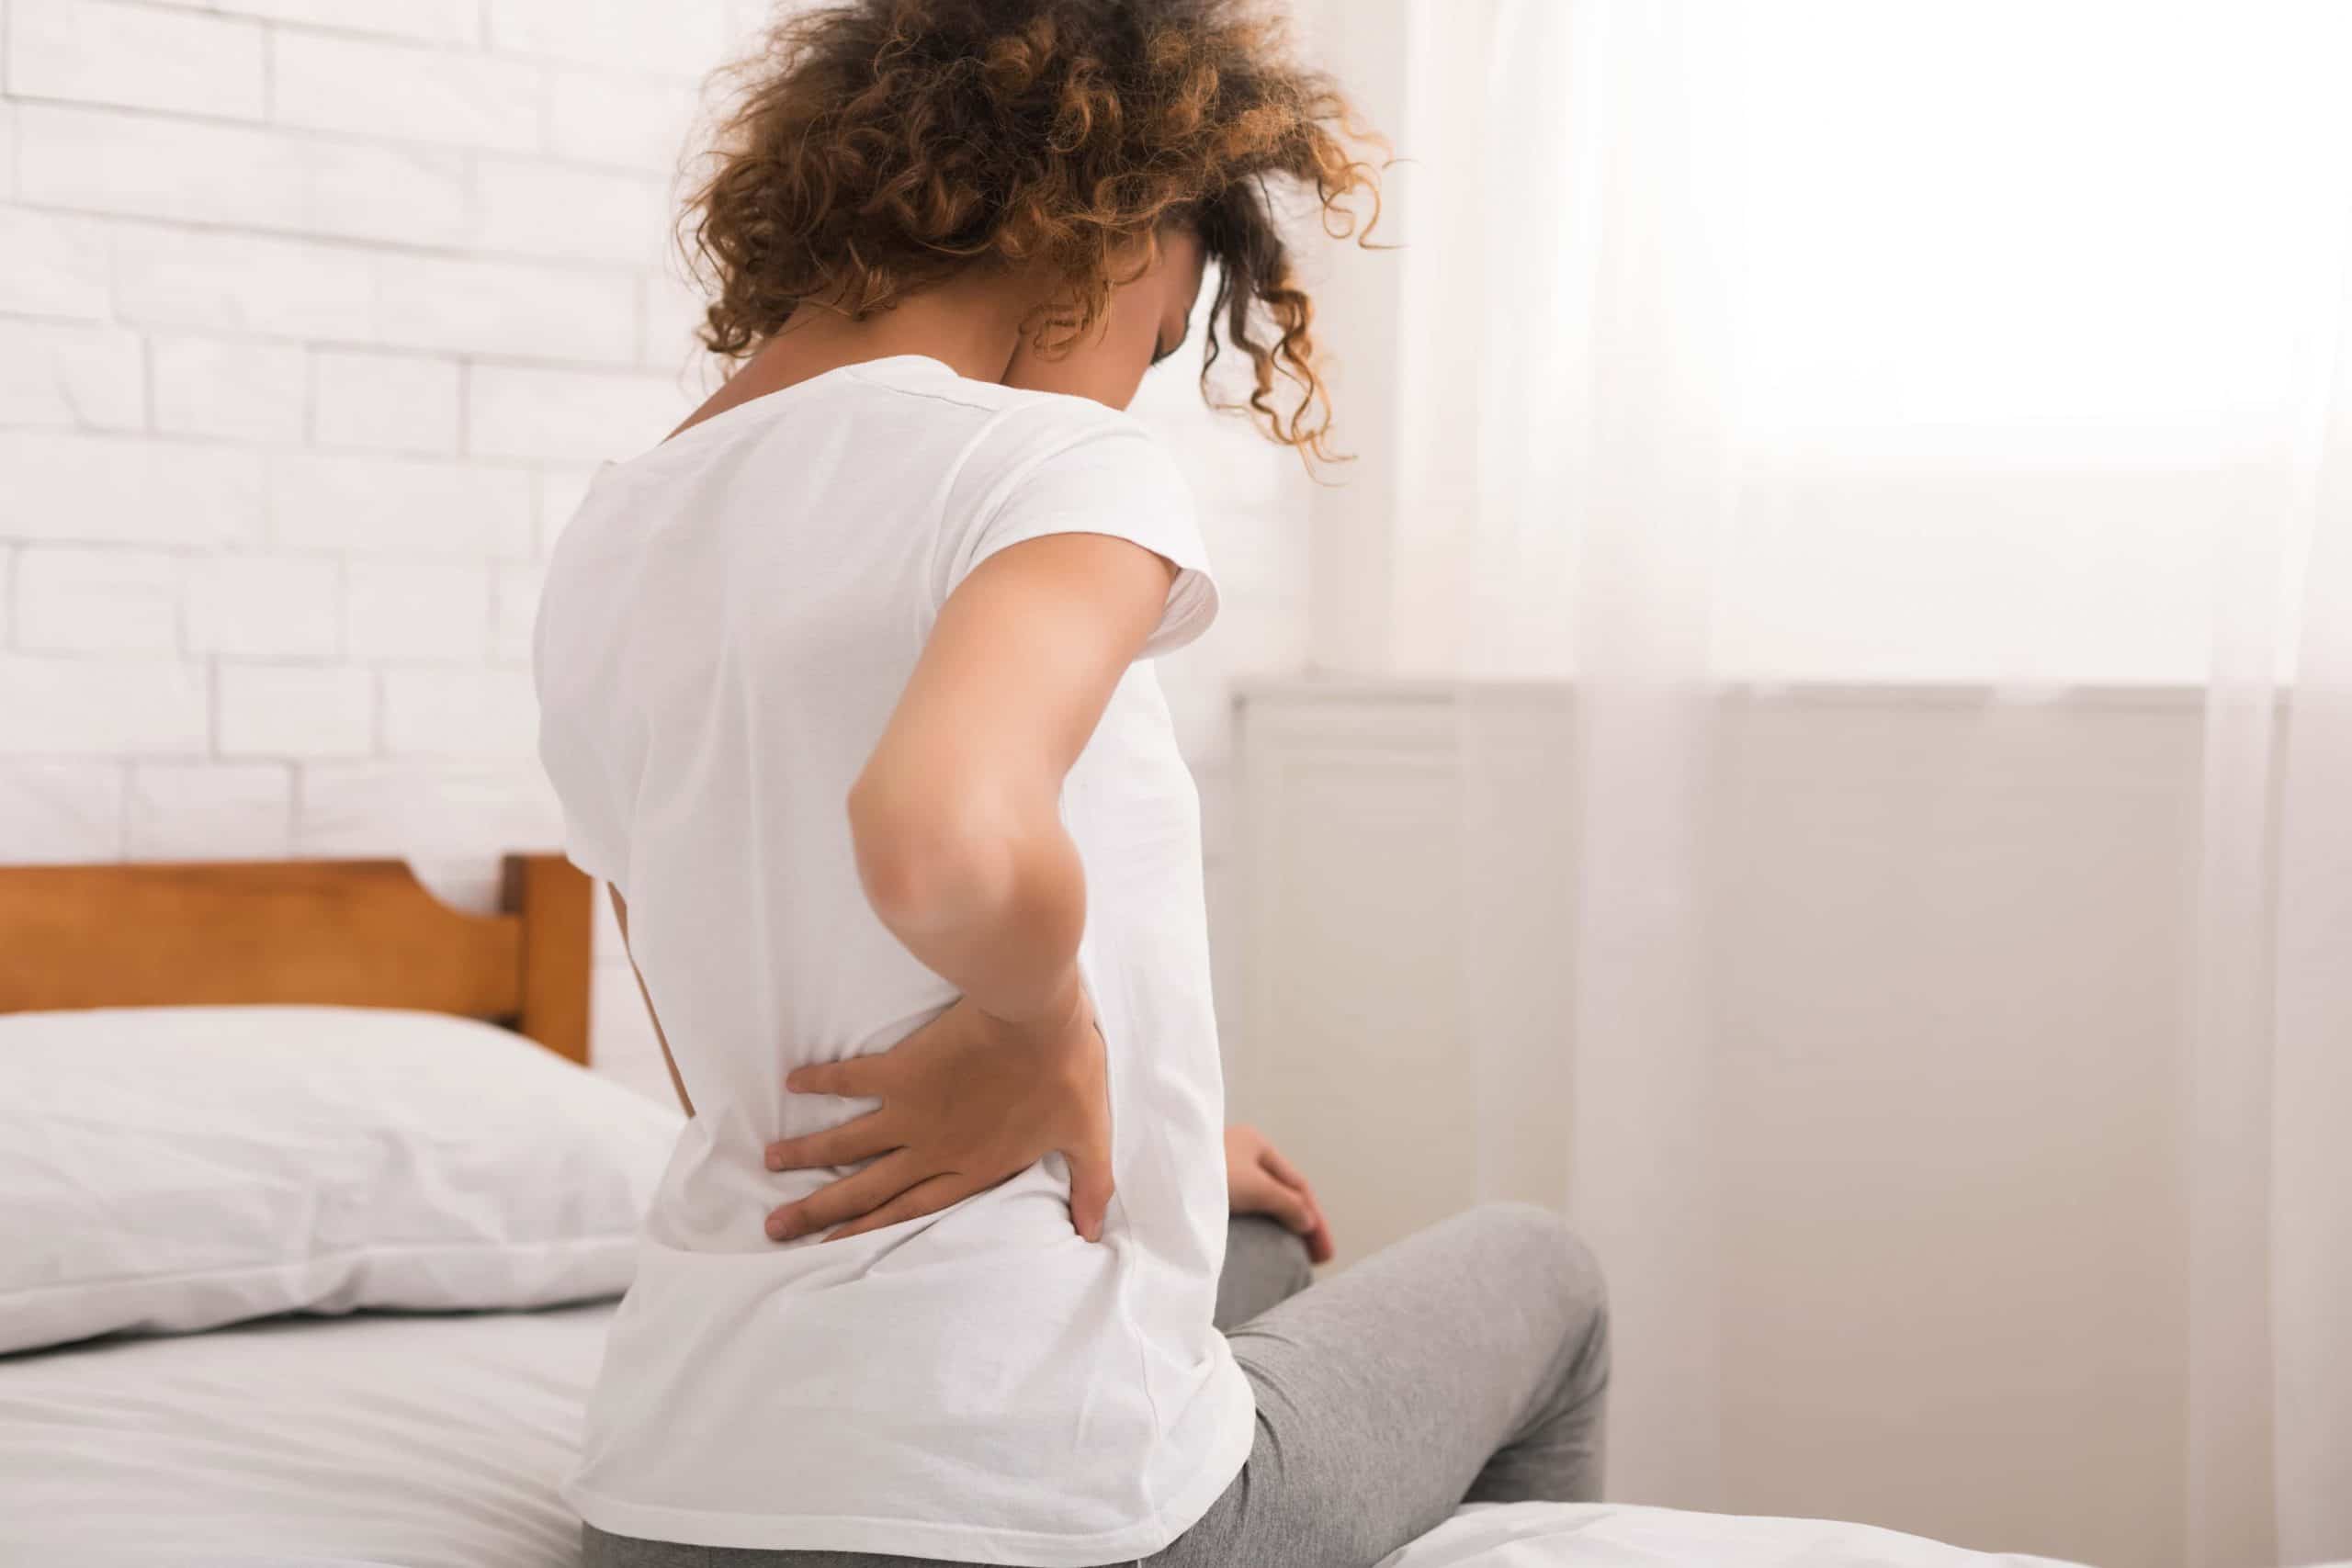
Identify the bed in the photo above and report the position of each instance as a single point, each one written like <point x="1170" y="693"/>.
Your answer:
<point x="340" y="1432"/>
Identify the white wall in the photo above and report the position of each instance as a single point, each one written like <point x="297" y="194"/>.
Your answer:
<point x="1954" y="934"/>
<point x="314" y="317"/>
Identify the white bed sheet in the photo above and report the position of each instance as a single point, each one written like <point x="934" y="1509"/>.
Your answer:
<point x="1612" y="1535"/>
<point x="427" y="1441"/>
<point x="437" y="1442"/>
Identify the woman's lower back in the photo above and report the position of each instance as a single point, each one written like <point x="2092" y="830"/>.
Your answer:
<point x="971" y="1383"/>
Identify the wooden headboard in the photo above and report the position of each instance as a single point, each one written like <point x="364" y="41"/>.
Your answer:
<point x="347" y="933"/>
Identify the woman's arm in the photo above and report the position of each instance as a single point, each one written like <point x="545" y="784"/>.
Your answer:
<point x="957" y="822"/>
<point x="956" y="817"/>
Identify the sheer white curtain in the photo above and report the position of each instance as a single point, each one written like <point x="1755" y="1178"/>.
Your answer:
<point x="1920" y="439"/>
<point x="1608" y="401"/>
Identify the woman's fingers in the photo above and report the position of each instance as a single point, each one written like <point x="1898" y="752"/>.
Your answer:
<point x="857" y="1194"/>
<point x="924" y="1198"/>
<point x="858" y="1078"/>
<point x="1319" y="1239"/>
<point x="1290" y="1208"/>
<point x="861" y="1137"/>
<point x="1280" y="1169"/>
<point x="1318" y="1230"/>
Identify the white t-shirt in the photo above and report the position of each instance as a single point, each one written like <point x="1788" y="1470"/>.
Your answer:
<point x="727" y="622"/>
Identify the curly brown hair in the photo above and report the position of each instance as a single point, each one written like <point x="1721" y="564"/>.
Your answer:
<point x="880" y="146"/>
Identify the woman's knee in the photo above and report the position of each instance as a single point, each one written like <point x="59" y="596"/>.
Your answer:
<point x="1540" y="1241"/>
<point x="1548" y="1262"/>
<point x="1270" y="1249"/>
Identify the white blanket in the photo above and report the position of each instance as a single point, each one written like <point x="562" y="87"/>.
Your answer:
<point x="437" y="1442"/>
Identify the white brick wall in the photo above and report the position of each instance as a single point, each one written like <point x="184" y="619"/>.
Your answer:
<point x="68" y="375"/>
<point x="390" y="403"/>
<point x="62" y="812"/>
<point x="102" y="52"/>
<point x="72" y="598"/>
<point x="315" y="318"/>
<point x="248" y="391"/>
<point x="211" y="809"/>
<point x="265" y="604"/>
<point x="407" y="91"/>
<point x="295" y="711"/>
<point x="401" y="609"/>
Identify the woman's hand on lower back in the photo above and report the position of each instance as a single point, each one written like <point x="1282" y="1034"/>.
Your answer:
<point x="968" y="1101"/>
<point x="1257" y="1180"/>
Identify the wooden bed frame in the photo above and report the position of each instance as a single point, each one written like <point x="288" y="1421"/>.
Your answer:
<point x="344" y="933"/>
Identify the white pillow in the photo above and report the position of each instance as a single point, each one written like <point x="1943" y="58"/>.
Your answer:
<point x="178" y="1169"/>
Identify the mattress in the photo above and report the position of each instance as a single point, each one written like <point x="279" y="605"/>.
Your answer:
<point x="437" y="1442"/>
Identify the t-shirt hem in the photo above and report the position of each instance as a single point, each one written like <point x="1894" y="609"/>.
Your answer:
<point x="928" y="1538"/>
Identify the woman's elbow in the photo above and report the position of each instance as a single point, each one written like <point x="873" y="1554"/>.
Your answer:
<point x="929" y="859"/>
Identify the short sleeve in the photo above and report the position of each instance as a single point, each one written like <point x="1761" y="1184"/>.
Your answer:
<point x="593" y="838"/>
<point x="574" y="719"/>
<point x="1111" y="479"/>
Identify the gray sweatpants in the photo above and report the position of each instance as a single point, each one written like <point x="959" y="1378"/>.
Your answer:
<point x="1468" y="1363"/>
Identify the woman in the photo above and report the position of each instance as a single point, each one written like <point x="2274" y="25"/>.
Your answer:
<point x="846" y="692"/>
